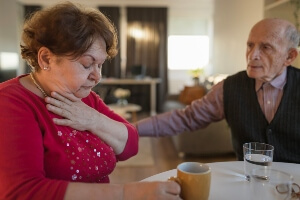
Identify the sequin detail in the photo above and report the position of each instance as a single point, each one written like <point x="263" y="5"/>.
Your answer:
<point x="59" y="133"/>
<point x="90" y="159"/>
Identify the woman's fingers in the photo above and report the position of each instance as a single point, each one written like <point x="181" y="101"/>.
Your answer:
<point x="58" y="103"/>
<point x="59" y="110"/>
<point x="58" y="107"/>
<point x="173" y="188"/>
<point x="75" y="114"/>
<point x="62" y="122"/>
<point x="68" y="96"/>
<point x="61" y="98"/>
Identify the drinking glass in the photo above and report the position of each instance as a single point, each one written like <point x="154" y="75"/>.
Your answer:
<point x="270" y="184"/>
<point x="257" y="155"/>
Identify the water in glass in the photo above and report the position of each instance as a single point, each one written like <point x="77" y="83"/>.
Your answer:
<point x="253" y="161"/>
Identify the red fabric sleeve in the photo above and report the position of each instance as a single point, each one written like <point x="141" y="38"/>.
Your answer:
<point x="22" y="145"/>
<point x="22" y="174"/>
<point x="131" y="147"/>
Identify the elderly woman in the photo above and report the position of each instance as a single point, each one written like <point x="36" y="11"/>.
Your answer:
<point x="57" y="136"/>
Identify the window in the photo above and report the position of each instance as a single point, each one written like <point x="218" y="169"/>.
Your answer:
<point x="9" y="60"/>
<point x="188" y="52"/>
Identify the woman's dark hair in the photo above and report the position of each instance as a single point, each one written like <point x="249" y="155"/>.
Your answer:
<point x="66" y="30"/>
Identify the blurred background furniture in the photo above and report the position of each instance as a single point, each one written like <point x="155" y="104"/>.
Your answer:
<point x="7" y="74"/>
<point x="190" y="93"/>
<point x="152" y="82"/>
<point x="126" y="111"/>
<point x="137" y="71"/>
<point x="212" y="140"/>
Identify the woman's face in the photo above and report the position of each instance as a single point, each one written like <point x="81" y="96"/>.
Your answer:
<point x="78" y="76"/>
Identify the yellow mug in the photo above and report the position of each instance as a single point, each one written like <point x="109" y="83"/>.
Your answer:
<point x="194" y="180"/>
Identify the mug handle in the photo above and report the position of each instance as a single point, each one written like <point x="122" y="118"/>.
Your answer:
<point x="176" y="179"/>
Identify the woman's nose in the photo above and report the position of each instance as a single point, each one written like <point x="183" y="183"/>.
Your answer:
<point x="95" y="74"/>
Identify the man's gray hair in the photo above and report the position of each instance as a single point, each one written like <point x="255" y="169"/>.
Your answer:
<point x="293" y="36"/>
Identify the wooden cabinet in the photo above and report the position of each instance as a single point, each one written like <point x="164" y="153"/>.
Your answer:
<point x="191" y="93"/>
<point x="283" y="9"/>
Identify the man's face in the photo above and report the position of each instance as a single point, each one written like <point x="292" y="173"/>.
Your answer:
<point x="267" y="51"/>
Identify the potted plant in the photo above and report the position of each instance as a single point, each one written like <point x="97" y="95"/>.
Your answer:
<point x="196" y="73"/>
<point x="122" y="95"/>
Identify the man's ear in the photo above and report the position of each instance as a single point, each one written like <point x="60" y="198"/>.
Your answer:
<point x="292" y="55"/>
<point x="44" y="56"/>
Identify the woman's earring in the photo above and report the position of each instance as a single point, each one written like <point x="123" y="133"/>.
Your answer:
<point x="45" y="68"/>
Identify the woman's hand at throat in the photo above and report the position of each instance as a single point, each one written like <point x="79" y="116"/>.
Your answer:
<point x="73" y="111"/>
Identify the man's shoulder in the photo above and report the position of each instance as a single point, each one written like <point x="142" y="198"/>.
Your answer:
<point x="238" y="82"/>
<point x="293" y="73"/>
<point x="293" y="68"/>
<point x="241" y="75"/>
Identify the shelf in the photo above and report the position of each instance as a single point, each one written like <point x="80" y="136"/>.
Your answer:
<point x="275" y="4"/>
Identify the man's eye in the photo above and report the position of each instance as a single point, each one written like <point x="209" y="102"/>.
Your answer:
<point x="266" y="47"/>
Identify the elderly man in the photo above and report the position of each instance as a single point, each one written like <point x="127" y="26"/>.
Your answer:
<point x="261" y="104"/>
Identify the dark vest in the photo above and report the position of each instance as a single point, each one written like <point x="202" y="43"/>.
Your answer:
<point x="248" y="123"/>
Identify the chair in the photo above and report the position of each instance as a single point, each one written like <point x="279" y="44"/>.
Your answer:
<point x="212" y="140"/>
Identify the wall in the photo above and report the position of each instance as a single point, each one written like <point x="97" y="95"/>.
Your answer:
<point x="192" y="21"/>
<point x="233" y="20"/>
<point x="285" y="10"/>
<point x="9" y="27"/>
<point x="227" y="22"/>
<point x="228" y="28"/>
<point x="10" y="23"/>
<point x="191" y="18"/>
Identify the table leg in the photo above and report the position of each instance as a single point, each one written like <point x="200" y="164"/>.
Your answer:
<point x="134" y="117"/>
<point x="153" y="99"/>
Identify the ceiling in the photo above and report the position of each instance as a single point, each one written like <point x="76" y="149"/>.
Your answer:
<point x="168" y="3"/>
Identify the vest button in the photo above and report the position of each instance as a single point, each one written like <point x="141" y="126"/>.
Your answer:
<point x="269" y="131"/>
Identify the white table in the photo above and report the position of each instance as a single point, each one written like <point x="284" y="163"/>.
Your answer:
<point x="228" y="181"/>
<point x="146" y="81"/>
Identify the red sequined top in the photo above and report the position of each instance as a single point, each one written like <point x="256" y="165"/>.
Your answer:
<point x="38" y="158"/>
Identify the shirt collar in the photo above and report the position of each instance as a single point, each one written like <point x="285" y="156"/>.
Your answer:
<point x="277" y="82"/>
